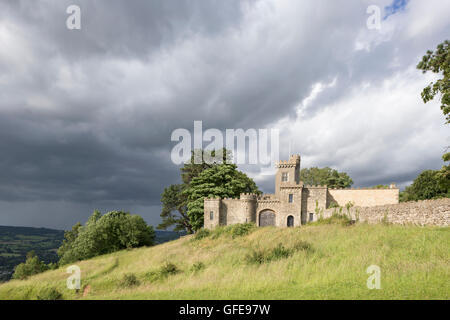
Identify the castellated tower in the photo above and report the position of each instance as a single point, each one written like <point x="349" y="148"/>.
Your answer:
<point x="288" y="173"/>
<point x="248" y="205"/>
<point x="212" y="207"/>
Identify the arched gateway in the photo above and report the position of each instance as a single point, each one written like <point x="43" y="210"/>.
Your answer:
<point x="266" y="218"/>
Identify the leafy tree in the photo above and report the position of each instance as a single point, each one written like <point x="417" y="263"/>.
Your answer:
<point x="438" y="62"/>
<point x="30" y="267"/>
<point x="115" y="230"/>
<point x="426" y="186"/>
<point x="222" y="180"/>
<point x="325" y="176"/>
<point x="69" y="238"/>
<point x="174" y="200"/>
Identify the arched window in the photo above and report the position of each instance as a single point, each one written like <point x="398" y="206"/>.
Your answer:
<point x="211" y="215"/>
<point x="290" y="221"/>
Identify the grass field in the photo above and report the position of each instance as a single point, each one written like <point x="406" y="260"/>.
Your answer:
<point x="314" y="262"/>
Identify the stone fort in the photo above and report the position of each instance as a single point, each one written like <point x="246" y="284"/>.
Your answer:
<point x="293" y="204"/>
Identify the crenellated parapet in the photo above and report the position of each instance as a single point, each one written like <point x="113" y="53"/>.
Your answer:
<point x="316" y="186"/>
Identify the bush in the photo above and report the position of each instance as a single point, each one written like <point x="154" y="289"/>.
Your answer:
<point x="238" y="230"/>
<point x="115" y="230"/>
<point x="198" y="266"/>
<point x="260" y="256"/>
<point x="129" y="280"/>
<point x="49" y="294"/>
<point x="30" y="267"/>
<point x="163" y="272"/>
<point x="336" y="218"/>
<point x="201" y="234"/>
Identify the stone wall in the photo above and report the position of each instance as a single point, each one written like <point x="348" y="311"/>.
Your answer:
<point x="426" y="212"/>
<point x="363" y="197"/>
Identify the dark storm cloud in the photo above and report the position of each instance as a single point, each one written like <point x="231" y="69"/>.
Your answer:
<point x="86" y="115"/>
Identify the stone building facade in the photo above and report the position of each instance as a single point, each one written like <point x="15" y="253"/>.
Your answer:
<point x="292" y="204"/>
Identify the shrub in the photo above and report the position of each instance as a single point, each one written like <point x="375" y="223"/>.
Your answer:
<point x="198" y="266"/>
<point x="129" y="280"/>
<point x="115" y="230"/>
<point x="166" y="270"/>
<point x="259" y="256"/>
<point x="201" y="234"/>
<point x="30" y="267"/>
<point x="238" y="230"/>
<point x="49" y="294"/>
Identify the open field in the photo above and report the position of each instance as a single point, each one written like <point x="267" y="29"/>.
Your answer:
<point x="321" y="262"/>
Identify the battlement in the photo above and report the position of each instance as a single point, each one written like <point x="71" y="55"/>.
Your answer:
<point x="248" y="196"/>
<point x="316" y="186"/>
<point x="293" y="161"/>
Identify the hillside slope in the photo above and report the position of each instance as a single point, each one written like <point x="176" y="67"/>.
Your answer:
<point x="315" y="262"/>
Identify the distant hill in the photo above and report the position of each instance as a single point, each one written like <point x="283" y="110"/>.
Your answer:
<point x="327" y="261"/>
<point x="16" y="242"/>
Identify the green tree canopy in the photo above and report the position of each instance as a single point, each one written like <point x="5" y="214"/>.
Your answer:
<point x="438" y="62"/>
<point x="174" y="200"/>
<point x="115" y="230"/>
<point x="325" y="176"/>
<point x="30" y="267"/>
<point x="427" y="185"/>
<point x="224" y="181"/>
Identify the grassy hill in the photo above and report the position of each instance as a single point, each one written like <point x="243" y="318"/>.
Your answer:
<point x="313" y="262"/>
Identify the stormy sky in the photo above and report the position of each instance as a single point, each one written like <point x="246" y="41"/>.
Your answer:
<point x="86" y="115"/>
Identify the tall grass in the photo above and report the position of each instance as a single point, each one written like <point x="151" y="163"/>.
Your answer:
<point x="324" y="261"/>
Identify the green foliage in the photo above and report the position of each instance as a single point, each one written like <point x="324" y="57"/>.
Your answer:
<point x="174" y="209"/>
<point x="241" y="229"/>
<point x="202" y="233"/>
<point x="336" y="218"/>
<point x="438" y="62"/>
<point x="260" y="256"/>
<point x="114" y="231"/>
<point x="166" y="270"/>
<point x="69" y="238"/>
<point x="129" y="280"/>
<point x="429" y="184"/>
<point x="198" y="266"/>
<point x="380" y="186"/>
<point x="174" y="199"/>
<point x="30" y="267"/>
<point x="325" y="176"/>
<point x="49" y="294"/>
<point x="234" y="230"/>
<point x="222" y="180"/>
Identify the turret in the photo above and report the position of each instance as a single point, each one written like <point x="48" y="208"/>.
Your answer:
<point x="288" y="173"/>
<point x="211" y="215"/>
<point x="248" y="201"/>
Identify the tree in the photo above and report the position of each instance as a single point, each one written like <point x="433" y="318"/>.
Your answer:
<point x="69" y="238"/>
<point x="325" y="176"/>
<point x="30" y="267"/>
<point x="174" y="200"/>
<point x="115" y="230"/>
<point x="223" y="181"/>
<point x="427" y="185"/>
<point x="437" y="62"/>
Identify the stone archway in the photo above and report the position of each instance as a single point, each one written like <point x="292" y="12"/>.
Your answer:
<point x="266" y="218"/>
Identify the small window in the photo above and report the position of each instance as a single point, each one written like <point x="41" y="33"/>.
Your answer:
<point x="311" y="216"/>
<point x="291" y="198"/>
<point x="211" y="215"/>
<point x="284" y="176"/>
